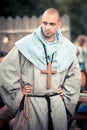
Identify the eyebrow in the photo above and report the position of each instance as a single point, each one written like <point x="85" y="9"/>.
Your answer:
<point x="49" y="23"/>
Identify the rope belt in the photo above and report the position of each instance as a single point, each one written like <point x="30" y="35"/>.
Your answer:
<point x="47" y="97"/>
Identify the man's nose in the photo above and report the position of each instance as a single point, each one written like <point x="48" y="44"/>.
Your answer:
<point x="47" y="26"/>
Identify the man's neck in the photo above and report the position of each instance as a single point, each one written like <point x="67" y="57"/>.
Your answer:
<point x="50" y="40"/>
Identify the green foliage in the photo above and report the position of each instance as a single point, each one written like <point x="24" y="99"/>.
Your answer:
<point x="76" y="10"/>
<point x="18" y="8"/>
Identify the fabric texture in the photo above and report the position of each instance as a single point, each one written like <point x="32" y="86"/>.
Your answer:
<point x="31" y="47"/>
<point x="19" y="69"/>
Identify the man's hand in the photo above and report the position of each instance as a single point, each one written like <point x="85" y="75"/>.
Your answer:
<point x="60" y="92"/>
<point x="27" y="89"/>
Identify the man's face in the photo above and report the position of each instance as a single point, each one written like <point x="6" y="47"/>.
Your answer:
<point x="50" y="24"/>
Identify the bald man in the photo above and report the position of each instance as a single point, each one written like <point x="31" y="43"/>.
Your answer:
<point x="40" y="63"/>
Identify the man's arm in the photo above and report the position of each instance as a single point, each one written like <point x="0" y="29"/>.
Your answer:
<point x="10" y="87"/>
<point x="71" y="86"/>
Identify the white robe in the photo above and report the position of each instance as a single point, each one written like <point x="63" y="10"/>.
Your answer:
<point x="16" y="71"/>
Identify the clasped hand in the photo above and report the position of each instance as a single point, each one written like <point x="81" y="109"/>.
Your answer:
<point x="27" y="89"/>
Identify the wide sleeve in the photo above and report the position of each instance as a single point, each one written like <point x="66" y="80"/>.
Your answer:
<point x="71" y="86"/>
<point x="10" y="86"/>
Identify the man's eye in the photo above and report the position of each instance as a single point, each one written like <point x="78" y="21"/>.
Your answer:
<point x="45" y="23"/>
<point x="52" y="24"/>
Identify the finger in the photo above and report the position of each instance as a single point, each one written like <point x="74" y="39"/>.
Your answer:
<point x="27" y="86"/>
<point x="28" y="90"/>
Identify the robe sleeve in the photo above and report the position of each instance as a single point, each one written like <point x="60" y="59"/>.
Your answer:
<point x="10" y="86"/>
<point x="71" y="86"/>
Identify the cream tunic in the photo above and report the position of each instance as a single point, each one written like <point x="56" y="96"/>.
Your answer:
<point x="16" y="71"/>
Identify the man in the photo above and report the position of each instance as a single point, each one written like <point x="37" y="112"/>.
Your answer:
<point x="30" y="64"/>
<point x="81" y="44"/>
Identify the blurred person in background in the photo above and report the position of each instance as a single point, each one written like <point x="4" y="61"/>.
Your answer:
<point x="2" y="55"/>
<point x="81" y="44"/>
<point x="5" y="112"/>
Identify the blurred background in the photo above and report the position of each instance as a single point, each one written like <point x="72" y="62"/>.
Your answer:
<point x="76" y="10"/>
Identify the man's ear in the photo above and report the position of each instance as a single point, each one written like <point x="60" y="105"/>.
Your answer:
<point x="59" y="24"/>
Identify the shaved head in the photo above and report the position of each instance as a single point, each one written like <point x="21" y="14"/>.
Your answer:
<point x="51" y="11"/>
<point x="50" y="23"/>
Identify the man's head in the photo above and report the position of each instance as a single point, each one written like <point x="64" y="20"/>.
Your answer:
<point x="2" y="55"/>
<point x="50" y="23"/>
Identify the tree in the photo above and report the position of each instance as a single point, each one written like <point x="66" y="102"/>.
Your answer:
<point x="75" y="10"/>
<point x="18" y="8"/>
